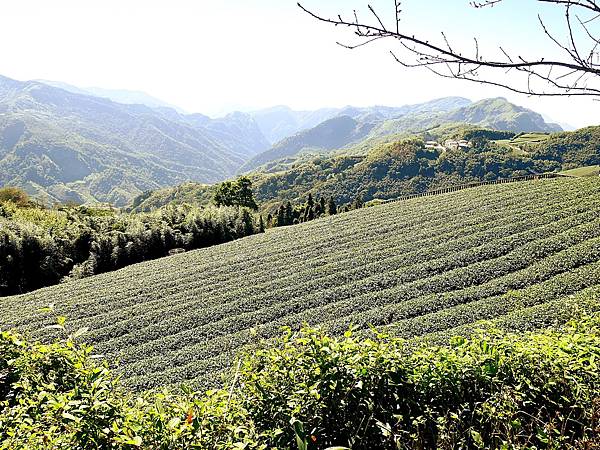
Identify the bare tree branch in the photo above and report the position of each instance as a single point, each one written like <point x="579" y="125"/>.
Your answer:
<point x="577" y="74"/>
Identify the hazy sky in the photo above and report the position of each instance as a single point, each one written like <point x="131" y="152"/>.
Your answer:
<point x="213" y="56"/>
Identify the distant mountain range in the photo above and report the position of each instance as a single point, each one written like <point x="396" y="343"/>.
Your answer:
<point x="352" y="125"/>
<point x="279" y="122"/>
<point x="65" y="143"/>
<point x="125" y="96"/>
<point x="329" y="135"/>
<point x="495" y="113"/>
<point x="61" y="145"/>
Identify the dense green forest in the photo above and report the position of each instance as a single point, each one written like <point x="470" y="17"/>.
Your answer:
<point x="396" y="169"/>
<point x="397" y="166"/>
<point x="405" y="167"/>
<point x="571" y="149"/>
<point x="192" y="193"/>
<point x="40" y="247"/>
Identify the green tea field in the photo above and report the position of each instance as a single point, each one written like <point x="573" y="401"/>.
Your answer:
<point x="526" y="254"/>
<point x="516" y="144"/>
<point x="587" y="171"/>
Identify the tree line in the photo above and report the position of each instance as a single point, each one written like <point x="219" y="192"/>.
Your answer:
<point x="239" y="193"/>
<point x="288" y="214"/>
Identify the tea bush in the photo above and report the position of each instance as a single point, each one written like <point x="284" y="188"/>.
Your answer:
<point x="309" y="390"/>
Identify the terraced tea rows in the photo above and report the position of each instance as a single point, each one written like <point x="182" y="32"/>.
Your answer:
<point x="512" y="252"/>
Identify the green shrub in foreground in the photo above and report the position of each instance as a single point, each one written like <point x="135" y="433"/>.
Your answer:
<point x="311" y="391"/>
<point x="56" y="396"/>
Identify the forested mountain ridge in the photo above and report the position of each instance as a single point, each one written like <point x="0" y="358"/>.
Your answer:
<point x="573" y="148"/>
<point x="373" y="124"/>
<point x="279" y="122"/>
<point x="63" y="146"/>
<point x="493" y="113"/>
<point x="404" y="166"/>
<point x="500" y="114"/>
<point x="331" y="134"/>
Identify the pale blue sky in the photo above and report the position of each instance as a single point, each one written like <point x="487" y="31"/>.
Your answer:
<point x="213" y="56"/>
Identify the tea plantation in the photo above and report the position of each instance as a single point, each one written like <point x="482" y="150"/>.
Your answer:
<point x="525" y="254"/>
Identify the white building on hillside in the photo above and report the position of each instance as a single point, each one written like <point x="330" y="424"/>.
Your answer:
<point x="455" y="145"/>
<point x="434" y="145"/>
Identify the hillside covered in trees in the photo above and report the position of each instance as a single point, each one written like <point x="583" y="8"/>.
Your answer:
<point x="62" y="146"/>
<point x="495" y="113"/>
<point x="386" y="168"/>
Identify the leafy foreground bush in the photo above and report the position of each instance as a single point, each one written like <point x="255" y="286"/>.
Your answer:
<point x="311" y="391"/>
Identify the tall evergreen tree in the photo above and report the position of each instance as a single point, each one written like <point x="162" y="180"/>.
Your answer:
<point x="358" y="202"/>
<point x="281" y="216"/>
<point x="245" y="194"/>
<point x="310" y="201"/>
<point x="317" y="209"/>
<point x="289" y="213"/>
<point x="247" y="225"/>
<point x="331" y="206"/>
<point x="309" y="213"/>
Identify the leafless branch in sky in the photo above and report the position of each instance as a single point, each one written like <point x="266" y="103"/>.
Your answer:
<point x="574" y="72"/>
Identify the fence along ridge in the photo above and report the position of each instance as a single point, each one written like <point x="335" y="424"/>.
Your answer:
<point x="460" y="187"/>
